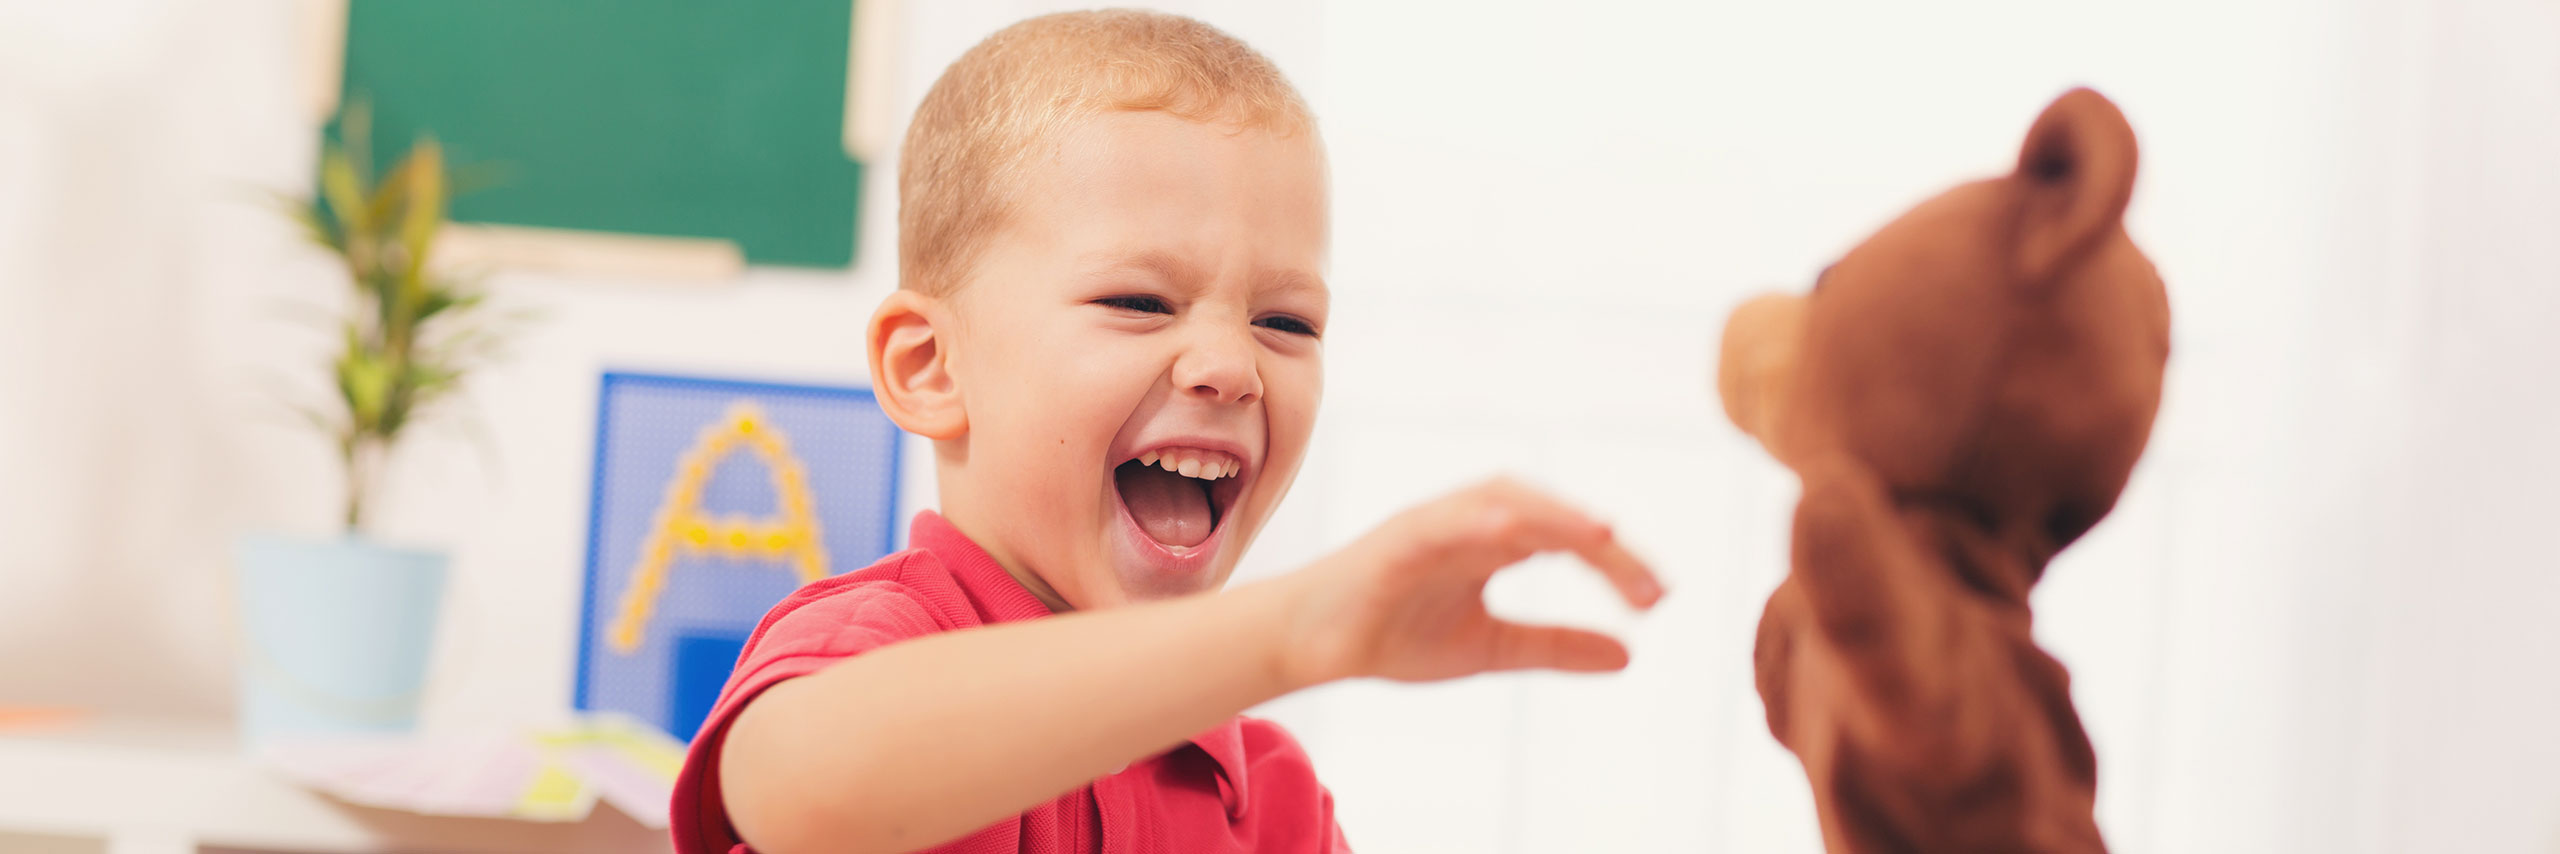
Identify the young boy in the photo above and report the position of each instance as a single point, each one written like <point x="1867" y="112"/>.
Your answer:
<point x="1110" y="323"/>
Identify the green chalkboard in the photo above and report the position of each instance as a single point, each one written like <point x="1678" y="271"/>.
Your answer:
<point x="683" y="118"/>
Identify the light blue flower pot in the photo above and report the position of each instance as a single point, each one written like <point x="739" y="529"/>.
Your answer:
<point x="335" y="635"/>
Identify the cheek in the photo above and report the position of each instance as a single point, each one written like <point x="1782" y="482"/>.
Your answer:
<point x="1045" y="430"/>
<point x="1094" y="384"/>
<point x="1067" y="385"/>
<point x="1293" y="391"/>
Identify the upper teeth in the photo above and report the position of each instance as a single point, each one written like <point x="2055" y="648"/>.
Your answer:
<point x="1205" y="465"/>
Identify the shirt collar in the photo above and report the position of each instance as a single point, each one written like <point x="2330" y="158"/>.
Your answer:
<point x="1225" y="746"/>
<point x="999" y="598"/>
<point x="995" y="594"/>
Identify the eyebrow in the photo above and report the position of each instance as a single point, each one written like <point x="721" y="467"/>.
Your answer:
<point x="1175" y="271"/>
<point x="1295" y="281"/>
<point x="1163" y="265"/>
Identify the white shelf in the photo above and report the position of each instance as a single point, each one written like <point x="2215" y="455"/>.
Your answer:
<point x="145" y="786"/>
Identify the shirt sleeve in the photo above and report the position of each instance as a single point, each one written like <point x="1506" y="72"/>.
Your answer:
<point x="801" y="636"/>
<point x="1297" y="811"/>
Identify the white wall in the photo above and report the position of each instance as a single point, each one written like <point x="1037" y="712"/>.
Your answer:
<point x="2318" y="622"/>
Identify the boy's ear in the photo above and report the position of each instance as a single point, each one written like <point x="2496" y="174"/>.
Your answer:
<point x="910" y="367"/>
<point x="2076" y="169"/>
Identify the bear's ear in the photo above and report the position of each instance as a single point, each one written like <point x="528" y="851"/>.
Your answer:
<point x="2076" y="176"/>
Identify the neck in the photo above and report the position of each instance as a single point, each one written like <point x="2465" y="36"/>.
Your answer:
<point x="963" y="510"/>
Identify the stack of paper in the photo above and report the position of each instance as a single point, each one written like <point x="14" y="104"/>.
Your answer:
<point x="540" y="775"/>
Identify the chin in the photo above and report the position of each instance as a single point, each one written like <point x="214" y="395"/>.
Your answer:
<point x="1147" y="587"/>
<point x="1148" y="569"/>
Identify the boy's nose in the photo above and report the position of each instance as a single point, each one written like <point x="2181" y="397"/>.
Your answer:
<point x="1219" y="367"/>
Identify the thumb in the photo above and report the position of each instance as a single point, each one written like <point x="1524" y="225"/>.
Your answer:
<point x="1522" y="647"/>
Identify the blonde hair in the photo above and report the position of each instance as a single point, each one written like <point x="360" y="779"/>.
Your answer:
<point x="976" y="132"/>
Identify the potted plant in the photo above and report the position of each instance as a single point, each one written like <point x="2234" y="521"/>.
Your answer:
<point x="336" y="631"/>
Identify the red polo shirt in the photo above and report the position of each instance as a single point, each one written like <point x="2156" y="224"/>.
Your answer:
<point x="1244" y="786"/>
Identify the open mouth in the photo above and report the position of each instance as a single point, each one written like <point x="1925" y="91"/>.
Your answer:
<point x="1178" y="496"/>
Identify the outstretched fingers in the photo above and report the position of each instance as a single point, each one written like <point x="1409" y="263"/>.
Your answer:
<point x="1634" y="580"/>
<point x="1520" y="647"/>
<point x="1519" y="522"/>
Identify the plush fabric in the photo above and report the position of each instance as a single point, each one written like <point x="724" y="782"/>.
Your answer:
<point x="1963" y="395"/>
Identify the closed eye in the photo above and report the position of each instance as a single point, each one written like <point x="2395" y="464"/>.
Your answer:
<point x="1139" y="304"/>
<point x="1288" y="324"/>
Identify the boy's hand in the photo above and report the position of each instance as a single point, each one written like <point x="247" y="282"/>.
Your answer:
<point x="1407" y="600"/>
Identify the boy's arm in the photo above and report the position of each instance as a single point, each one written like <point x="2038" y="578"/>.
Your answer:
<point x="919" y="742"/>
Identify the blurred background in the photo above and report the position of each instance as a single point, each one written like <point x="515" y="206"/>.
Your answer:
<point x="2322" y="618"/>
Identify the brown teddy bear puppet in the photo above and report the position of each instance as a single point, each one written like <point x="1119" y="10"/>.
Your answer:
<point x="1963" y="395"/>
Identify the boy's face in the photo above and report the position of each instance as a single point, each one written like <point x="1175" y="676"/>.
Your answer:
<point x="1156" y="294"/>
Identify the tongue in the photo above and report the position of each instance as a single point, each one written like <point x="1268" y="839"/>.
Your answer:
<point x="1169" y="507"/>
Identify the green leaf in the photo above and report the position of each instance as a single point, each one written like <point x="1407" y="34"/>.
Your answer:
<point x="365" y="380"/>
<point x="446" y="296"/>
<point x="305" y="212"/>
<point x="395" y="415"/>
<point x="409" y="337"/>
<point x="389" y="195"/>
<point x="344" y="191"/>
<point x="355" y="125"/>
<point x="425" y="189"/>
<point x="316" y="226"/>
<point x="381" y="293"/>
<point x="432" y="380"/>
